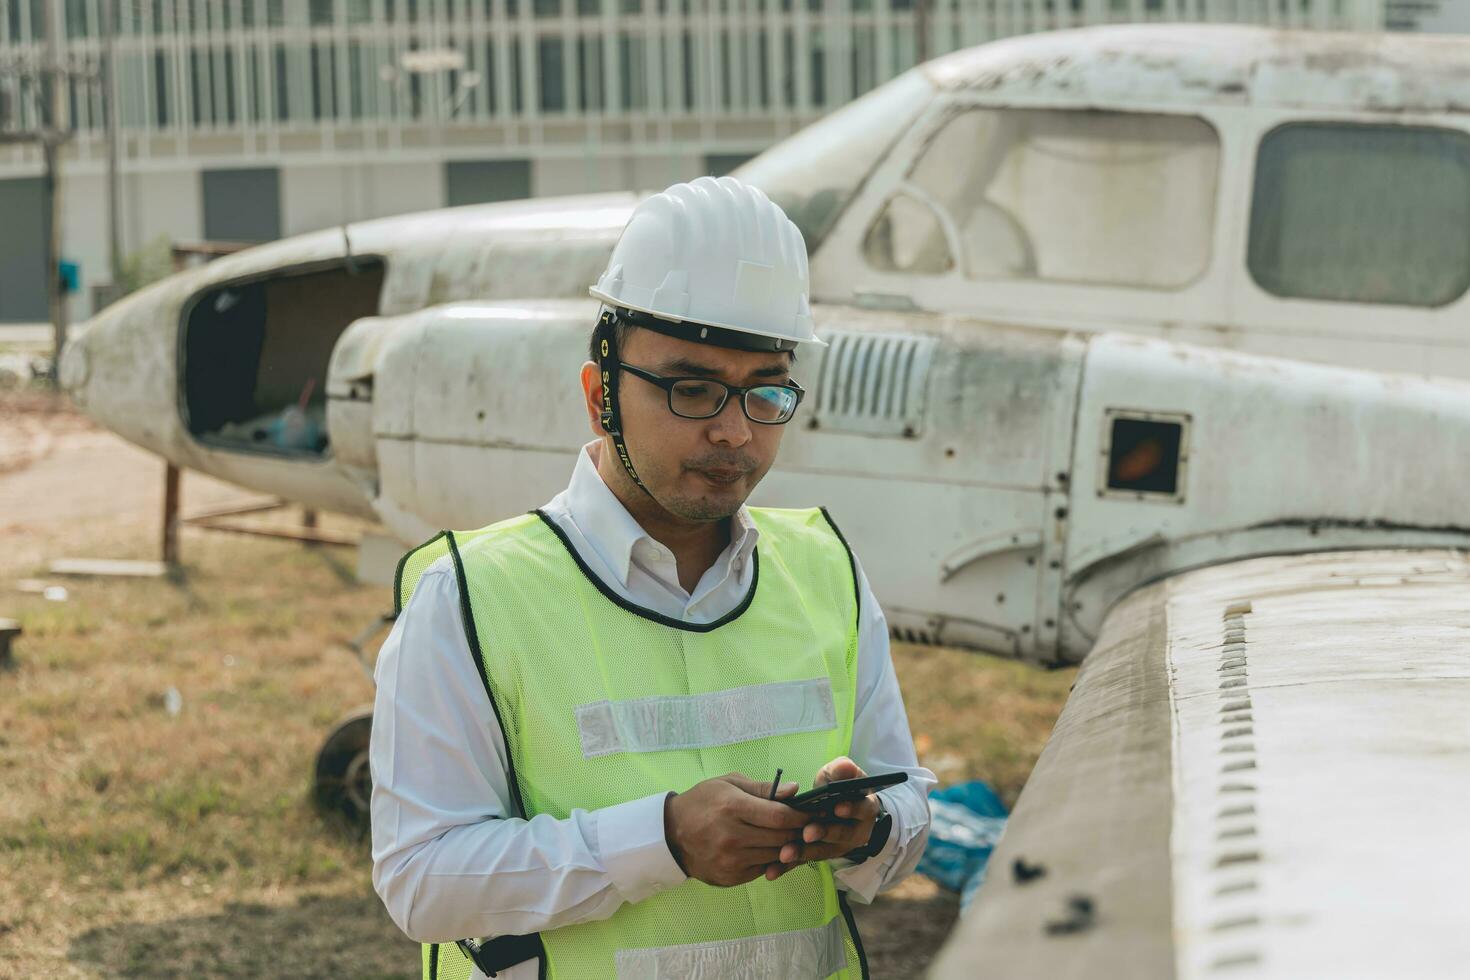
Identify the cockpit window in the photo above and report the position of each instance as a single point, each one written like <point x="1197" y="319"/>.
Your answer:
<point x="1110" y="198"/>
<point x="815" y="173"/>
<point x="1362" y="214"/>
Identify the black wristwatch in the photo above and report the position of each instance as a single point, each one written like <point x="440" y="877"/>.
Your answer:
<point x="882" y="827"/>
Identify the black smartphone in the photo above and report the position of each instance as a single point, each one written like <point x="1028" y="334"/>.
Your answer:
<point x="826" y="797"/>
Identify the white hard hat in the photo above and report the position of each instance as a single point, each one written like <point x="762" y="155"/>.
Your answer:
<point x="717" y="253"/>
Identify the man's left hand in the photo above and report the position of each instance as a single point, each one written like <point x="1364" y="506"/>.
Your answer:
<point x="848" y="826"/>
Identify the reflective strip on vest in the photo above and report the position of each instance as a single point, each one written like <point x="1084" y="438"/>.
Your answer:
<point x="702" y="721"/>
<point x="806" y="954"/>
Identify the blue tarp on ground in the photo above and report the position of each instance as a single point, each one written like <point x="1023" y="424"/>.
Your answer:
<point x="967" y="820"/>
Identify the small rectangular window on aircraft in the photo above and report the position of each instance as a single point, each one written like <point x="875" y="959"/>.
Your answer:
<point x="1352" y="213"/>
<point x="1144" y="455"/>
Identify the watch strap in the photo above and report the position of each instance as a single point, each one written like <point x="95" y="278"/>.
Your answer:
<point x="882" y="828"/>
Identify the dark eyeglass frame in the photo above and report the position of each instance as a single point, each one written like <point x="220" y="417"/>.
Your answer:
<point x="667" y="384"/>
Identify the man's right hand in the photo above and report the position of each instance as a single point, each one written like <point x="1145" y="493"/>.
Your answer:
<point x="725" y="832"/>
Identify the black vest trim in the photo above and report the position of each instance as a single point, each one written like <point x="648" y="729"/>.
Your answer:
<point x="857" y="940"/>
<point x="503" y="946"/>
<point x="398" y="572"/>
<point x="857" y="590"/>
<point x="649" y="614"/>
<point x="472" y="636"/>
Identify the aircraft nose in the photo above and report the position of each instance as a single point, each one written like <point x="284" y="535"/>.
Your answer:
<point x="75" y="367"/>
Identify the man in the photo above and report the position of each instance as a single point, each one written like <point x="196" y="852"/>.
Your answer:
<point x="580" y="711"/>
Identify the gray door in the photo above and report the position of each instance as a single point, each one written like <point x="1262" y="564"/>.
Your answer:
<point x="719" y="164"/>
<point x="482" y="181"/>
<point x="23" y="250"/>
<point x="242" y="205"/>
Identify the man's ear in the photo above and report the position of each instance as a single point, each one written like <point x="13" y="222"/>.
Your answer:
<point x="592" y="397"/>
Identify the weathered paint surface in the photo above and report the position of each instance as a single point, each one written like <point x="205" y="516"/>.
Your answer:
<point x="1093" y="824"/>
<point x="124" y="366"/>
<point x="1020" y="551"/>
<point x="1262" y="773"/>
<point x="1347" y="685"/>
<point x="1192" y="66"/>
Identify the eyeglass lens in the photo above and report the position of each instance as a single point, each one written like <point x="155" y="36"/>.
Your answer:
<point x="701" y="400"/>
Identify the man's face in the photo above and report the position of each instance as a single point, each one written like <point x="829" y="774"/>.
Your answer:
<point x="697" y="469"/>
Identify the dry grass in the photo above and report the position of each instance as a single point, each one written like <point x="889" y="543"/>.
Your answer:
<point x="154" y="845"/>
<point x="136" y="844"/>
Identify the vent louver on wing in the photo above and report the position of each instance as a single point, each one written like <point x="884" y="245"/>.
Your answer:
<point x="873" y="383"/>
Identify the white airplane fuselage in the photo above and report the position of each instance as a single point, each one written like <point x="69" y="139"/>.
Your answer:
<point x="1018" y="450"/>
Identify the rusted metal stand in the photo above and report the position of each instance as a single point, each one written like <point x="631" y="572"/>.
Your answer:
<point x="9" y="630"/>
<point x="307" y="532"/>
<point x="171" y="515"/>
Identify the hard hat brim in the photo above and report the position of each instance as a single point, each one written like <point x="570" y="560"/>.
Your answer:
<point x="725" y="328"/>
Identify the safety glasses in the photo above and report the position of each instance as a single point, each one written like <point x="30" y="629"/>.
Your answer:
<point x="703" y="398"/>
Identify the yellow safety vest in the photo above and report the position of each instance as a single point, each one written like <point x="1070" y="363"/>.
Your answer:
<point x="602" y="701"/>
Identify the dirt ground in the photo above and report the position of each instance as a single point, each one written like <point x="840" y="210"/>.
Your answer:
<point x="157" y="736"/>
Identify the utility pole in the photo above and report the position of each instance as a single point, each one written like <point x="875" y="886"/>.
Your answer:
<point x="52" y="135"/>
<point x="45" y="80"/>
<point x="110" y="108"/>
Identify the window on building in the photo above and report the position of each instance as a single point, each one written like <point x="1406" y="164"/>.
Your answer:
<point x="283" y="88"/>
<point x="196" y="96"/>
<point x="589" y="73"/>
<point x="356" y="74"/>
<point x="1362" y="214"/>
<point x="77" y="24"/>
<point x="1111" y="198"/>
<point x="817" y="68"/>
<point x="161" y="88"/>
<point x="634" y="77"/>
<point x="405" y="9"/>
<point x="323" y="81"/>
<point x="517" y="99"/>
<point x="486" y="94"/>
<point x="255" y="87"/>
<point x="686" y="74"/>
<point x="553" y="87"/>
<point x="232" y="114"/>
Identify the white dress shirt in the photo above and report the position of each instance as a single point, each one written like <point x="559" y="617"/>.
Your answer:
<point x="448" y="860"/>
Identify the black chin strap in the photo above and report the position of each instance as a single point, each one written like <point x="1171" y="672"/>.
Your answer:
<point x="607" y="366"/>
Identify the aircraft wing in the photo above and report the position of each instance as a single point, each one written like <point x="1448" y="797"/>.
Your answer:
<point x="1263" y="771"/>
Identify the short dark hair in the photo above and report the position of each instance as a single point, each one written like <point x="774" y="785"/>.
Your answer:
<point x="622" y="330"/>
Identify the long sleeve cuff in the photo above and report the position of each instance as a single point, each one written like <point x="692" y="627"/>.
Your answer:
<point x="898" y="856"/>
<point x="631" y="845"/>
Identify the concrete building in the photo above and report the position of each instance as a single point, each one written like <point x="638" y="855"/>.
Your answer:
<point x="247" y="120"/>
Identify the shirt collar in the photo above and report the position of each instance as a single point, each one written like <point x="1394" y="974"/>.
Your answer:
<point x="613" y="532"/>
